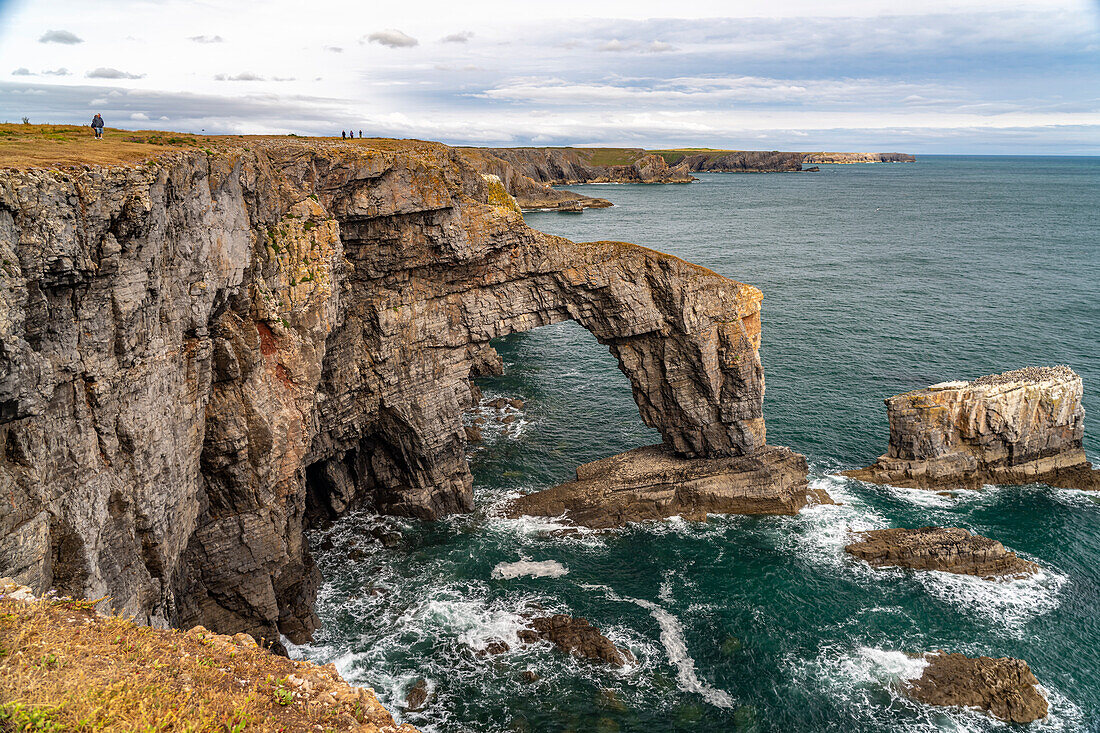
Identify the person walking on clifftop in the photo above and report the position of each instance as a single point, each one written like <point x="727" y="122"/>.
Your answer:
<point x="97" y="126"/>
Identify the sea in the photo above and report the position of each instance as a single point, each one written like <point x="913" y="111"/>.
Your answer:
<point x="877" y="279"/>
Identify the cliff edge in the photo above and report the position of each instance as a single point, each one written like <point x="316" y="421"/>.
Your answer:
<point x="205" y="347"/>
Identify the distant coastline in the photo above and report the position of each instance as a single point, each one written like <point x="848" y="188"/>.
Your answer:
<point x="529" y="173"/>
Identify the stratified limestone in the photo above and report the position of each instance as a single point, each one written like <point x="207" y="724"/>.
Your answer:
<point x="198" y="353"/>
<point x="1023" y="426"/>
<point x="949" y="549"/>
<point x="652" y="483"/>
<point x="1005" y="688"/>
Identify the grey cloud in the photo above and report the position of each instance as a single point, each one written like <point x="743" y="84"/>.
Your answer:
<point x="57" y="72"/>
<point x="243" y="76"/>
<point x="216" y="113"/>
<point x="392" y="38"/>
<point x="207" y="39"/>
<point x="460" y="37"/>
<point x="65" y="37"/>
<point x="334" y="49"/>
<point x="22" y="71"/>
<point x="106" y="72"/>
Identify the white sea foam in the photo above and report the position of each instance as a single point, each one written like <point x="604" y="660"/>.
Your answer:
<point x="869" y="681"/>
<point x="672" y="639"/>
<point x="1011" y="603"/>
<point x="520" y="568"/>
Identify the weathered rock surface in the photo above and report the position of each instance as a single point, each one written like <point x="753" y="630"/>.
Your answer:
<point x="1005" y="688"/>
<point x="199" y="353"/>
<point x="577" y="637"/>
<point x="949" y="549"/>
<point x="1023" y="426"/>
<point x="653" y="483"/>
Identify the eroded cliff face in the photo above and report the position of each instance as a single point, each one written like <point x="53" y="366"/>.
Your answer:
<point x="1023" y="426"/>
<point x="199" y="354"/>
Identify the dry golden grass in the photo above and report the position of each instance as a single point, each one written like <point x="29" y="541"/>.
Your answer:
<point x="63" y="668"/>
<point x="44" y="146"/>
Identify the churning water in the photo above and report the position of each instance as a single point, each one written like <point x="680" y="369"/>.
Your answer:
<point x="877" y="279"/>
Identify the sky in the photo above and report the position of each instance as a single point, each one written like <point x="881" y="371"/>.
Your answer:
<point x="938" y="76"/>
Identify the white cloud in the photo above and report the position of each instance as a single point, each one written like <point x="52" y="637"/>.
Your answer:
<point x="65" y="37"/>
<point x="140" y="116"/>
<point x="243" y="76"/>
<point x="106" y="72"/>
<point x="206" y="39"/>
<point x="460" y="37"/>
<point x="392" y="38"/>
<point x="617" y="46"/>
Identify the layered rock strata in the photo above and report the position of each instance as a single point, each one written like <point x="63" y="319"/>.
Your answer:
<point x="948" y="549"/>
<point x="1023" y="426"/>
<point x="653" y="483"/>
<point x="199" y="354"/>
<point x="1005" y="688"/>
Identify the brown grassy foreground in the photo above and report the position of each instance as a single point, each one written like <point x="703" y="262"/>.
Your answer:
<point x="63" y="668"/>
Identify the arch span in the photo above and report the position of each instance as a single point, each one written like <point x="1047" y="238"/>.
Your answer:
<point x="686" y="337"/>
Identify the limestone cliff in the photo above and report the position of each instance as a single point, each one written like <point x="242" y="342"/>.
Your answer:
<point x="858" y="158"/>
<point x="1023" y="426"/>
<point x="200" y="353"/>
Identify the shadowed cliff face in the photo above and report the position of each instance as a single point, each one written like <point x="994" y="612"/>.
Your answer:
<point x="198" y="353"/>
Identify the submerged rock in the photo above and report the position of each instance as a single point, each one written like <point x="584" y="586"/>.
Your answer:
<point x="417" y="697"/>
<point x="949" y="549"/>
<point x="652" y="483"/>
<point x="577" y="637"/>
<point x="1023" y="426"/>
<point x="1005" y="688"/>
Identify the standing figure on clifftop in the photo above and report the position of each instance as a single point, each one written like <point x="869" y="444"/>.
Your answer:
<point x="343" y="135"/>
<point x="97" y="126"/>
<point x="360" y="134"/>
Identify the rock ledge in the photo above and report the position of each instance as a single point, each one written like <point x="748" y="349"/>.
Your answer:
<point x="1005" y="688"/>
<point x="652" y="483"/>
<point x="948" y="549"/>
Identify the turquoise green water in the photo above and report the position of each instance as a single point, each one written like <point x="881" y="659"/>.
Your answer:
<point x="877" y="279"/>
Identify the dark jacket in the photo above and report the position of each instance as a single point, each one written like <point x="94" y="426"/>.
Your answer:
<point x="97" y="121"/>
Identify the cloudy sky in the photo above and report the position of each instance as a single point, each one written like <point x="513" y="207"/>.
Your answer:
<point x="938" y="76"/>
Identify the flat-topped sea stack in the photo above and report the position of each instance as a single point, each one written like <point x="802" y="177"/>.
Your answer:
<point x="949" y="549"/>
<point x="1023" y="426"/>
<point x="654" y="483"/>
<point x="1004" y="688"/>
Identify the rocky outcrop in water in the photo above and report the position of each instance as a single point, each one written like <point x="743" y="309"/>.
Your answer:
<point x="653" y="483"/>
<point x="1023" y="426"/>
<point x="200" y="354"/>
<point x="1005" y="688"/>
<point x="948" y="549"/>
<point x="577" y="637"/>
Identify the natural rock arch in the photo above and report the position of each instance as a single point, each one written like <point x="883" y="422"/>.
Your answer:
<point x="190" y="343"/>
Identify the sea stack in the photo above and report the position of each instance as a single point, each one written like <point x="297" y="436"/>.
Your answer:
<point x="1020" y="427"/>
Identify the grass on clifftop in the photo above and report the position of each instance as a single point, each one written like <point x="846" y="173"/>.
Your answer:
<point x="63" y="668"/>
<point x="47" y="146"/>
<point x="32" y="146"/>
